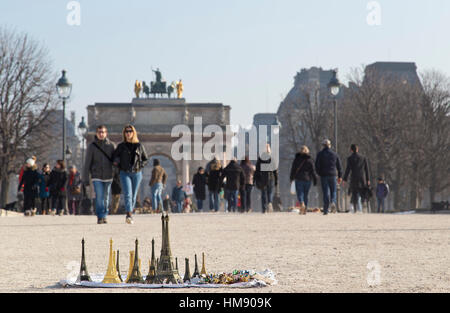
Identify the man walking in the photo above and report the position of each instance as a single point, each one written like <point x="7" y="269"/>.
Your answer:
<point x="327" y="165"/>
<point x="359" y="179"/>
<point x="98" y="165"/>
<point x="235" y="178"/>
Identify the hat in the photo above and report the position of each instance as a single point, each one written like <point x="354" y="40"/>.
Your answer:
<point x="326" y="142"/>
<point x="30" y="162"/>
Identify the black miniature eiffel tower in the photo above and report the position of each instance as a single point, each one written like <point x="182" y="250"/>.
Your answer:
<point x="150" y="279"/>
<point x="196" y="272"/>
<point x="166" y="271"/>
<point x="84" y="275"/>
<point x="176" y="264"/>
<point x="187" y="272"/>
<point x="117" y="266"/>
<point x="135" y="276"/>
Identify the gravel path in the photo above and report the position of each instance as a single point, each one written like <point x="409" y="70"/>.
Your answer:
<point x="313" y="253"/>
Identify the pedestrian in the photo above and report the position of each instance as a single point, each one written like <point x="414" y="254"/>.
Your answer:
<point x="235" y="178"/>
<point x="131" y="158"/>
<point x="246" y="192"/>
<point x="266" y="180"/>
<point x="359" y="179"/>
<point x="116" y="190"/>
<point x="44" y="193"/>
<point x="30" y="184"/>
<point x="304" y="174"/>
<point x="98" y="166"/>
<point x="74" y="191"/>
<point x="382" y="193"/>
<point x="214" y="181"/>
<point x="328" y="166"/>
<point x="157" y="184"/>
<point x="57" y="184"/>
<point x="178" y="196"/>
<point x="199" y="183"/>
<point x="167" y="204"/>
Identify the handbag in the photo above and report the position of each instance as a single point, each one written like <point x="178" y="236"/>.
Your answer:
<point x="75" y="190"/>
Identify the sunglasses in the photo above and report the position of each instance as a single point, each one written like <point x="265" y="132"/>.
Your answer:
<point x="129" y="131"/>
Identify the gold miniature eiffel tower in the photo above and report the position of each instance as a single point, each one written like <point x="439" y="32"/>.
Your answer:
<point x="84" y="275"/>
<point x="130" y="268"/>
<point x="150" y="279"/>
<point x="187" y="272"/>
<point x="203" y="271"/>
<point x="117" y="267"/>
<point x="135" y="276"/>
<point x="196" y="273"/>
<point x="111" y="276"/>
<point x="166" y="271"/>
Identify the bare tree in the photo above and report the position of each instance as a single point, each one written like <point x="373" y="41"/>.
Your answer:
<point x="27" y="95"/>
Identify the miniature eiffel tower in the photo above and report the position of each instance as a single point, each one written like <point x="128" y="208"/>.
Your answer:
<point x="84" y="275"/>
<point x="111" y="276"/>
<point x="203" y="271"/>
<point x="150" y="279"/>
<point x="196" y="273"/>
<point x="117" y="267"/>
<point x="135" y="276"/>
<point x="187" y="272"/>
<point x="176" y="264"/>
<point x="130" y="267"/>
<point x="166" y="271"/>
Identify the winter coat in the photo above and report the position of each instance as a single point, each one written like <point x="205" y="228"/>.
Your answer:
<point x="328" y="163"/>
<point x="234" y="175"/>
<point x="357" y="165"/>
<point x="262" y="178"/>
<point x="44" y="190"/>
<point x="72" y="183"/>
<point x="57" y="183"/>
<point x="215" y="180"/>
<point x="30" y="181"/>
<point x="130" y="157"/>
<point x="178" y="194"/>
<point x="303" y="168"/>
<point x="116" y="187"/>
<point x="382" y="190"/>
<point x="199" y="182"/>
<point x="158" y="175"/>
<point x="96" y="164"/>
<point x="249" y="172"/>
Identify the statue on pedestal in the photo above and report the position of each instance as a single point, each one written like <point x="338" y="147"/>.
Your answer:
<point x="137" y="88"/>
<point x="180" y="89"/>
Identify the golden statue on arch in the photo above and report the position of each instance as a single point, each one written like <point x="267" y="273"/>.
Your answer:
<point x="180" y="89"/>
<point x="137" y="88"/>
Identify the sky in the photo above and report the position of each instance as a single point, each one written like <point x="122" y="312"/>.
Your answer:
<point x="242" y="53"/>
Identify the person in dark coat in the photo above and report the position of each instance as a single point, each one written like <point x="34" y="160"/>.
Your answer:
<point x="199" y="182"/>
<point x="44" y="192"/>
<point x="30" y="182"/>
<point x="359" y="179"/>
<point x="74" y="191"/>
<point x="116" y="190"/>
<point x="328" y="165"/>
<point x="265" y="181"/>
<point x="246" y="192"/>
<point x="235" y="178"/>
<point x="57" y="184"/>
<point x="381" y="193"/>
<point x="214" y="181"/>
<point x="304" y="174"/>
<point x="178" y="196"/>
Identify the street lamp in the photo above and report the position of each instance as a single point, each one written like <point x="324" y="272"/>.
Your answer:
<point x="334" y="86"/>
<point x="64" y="89"/>
<point x="82" y="128"/>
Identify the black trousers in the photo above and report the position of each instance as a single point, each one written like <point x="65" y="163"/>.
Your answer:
<point x="58" y="203"/>
<point x="28" y="201"/>
<point x="45" y="205"/>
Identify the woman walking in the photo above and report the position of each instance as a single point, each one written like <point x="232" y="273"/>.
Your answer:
<point x="57" y="184"/>
<point x="303" y="173"/>
<point x="214" y="184"/>
<point x="44" y="193"/>
<point x="157" y="183"/>
<point x="199" y="182"/>
<point x="29" y="181"/>
<point x="246" y="193"/>
<point x="74" y="190"/>
<point x="131" y="158"/>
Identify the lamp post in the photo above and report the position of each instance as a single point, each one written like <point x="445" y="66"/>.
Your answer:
<point x="82" y="128"/>
<point x="334" y="86"/>
<point x="64" y="89"/>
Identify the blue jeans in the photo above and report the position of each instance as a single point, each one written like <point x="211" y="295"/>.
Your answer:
<point x="179" y="206"/>
<point x="302" y="189"/>
<point x="156" y="195"/>
<point x="232" y="198"/>
<point x="329" y="191"/>
<point x="130" y="185"/>
<point x="199" y="204"/>
<point x="214" y="201"/>
<point x="381" y="205"/>
<point x="356" y="201"/>
<point x="266" y="197"/>
<point x="102" y="190"/>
